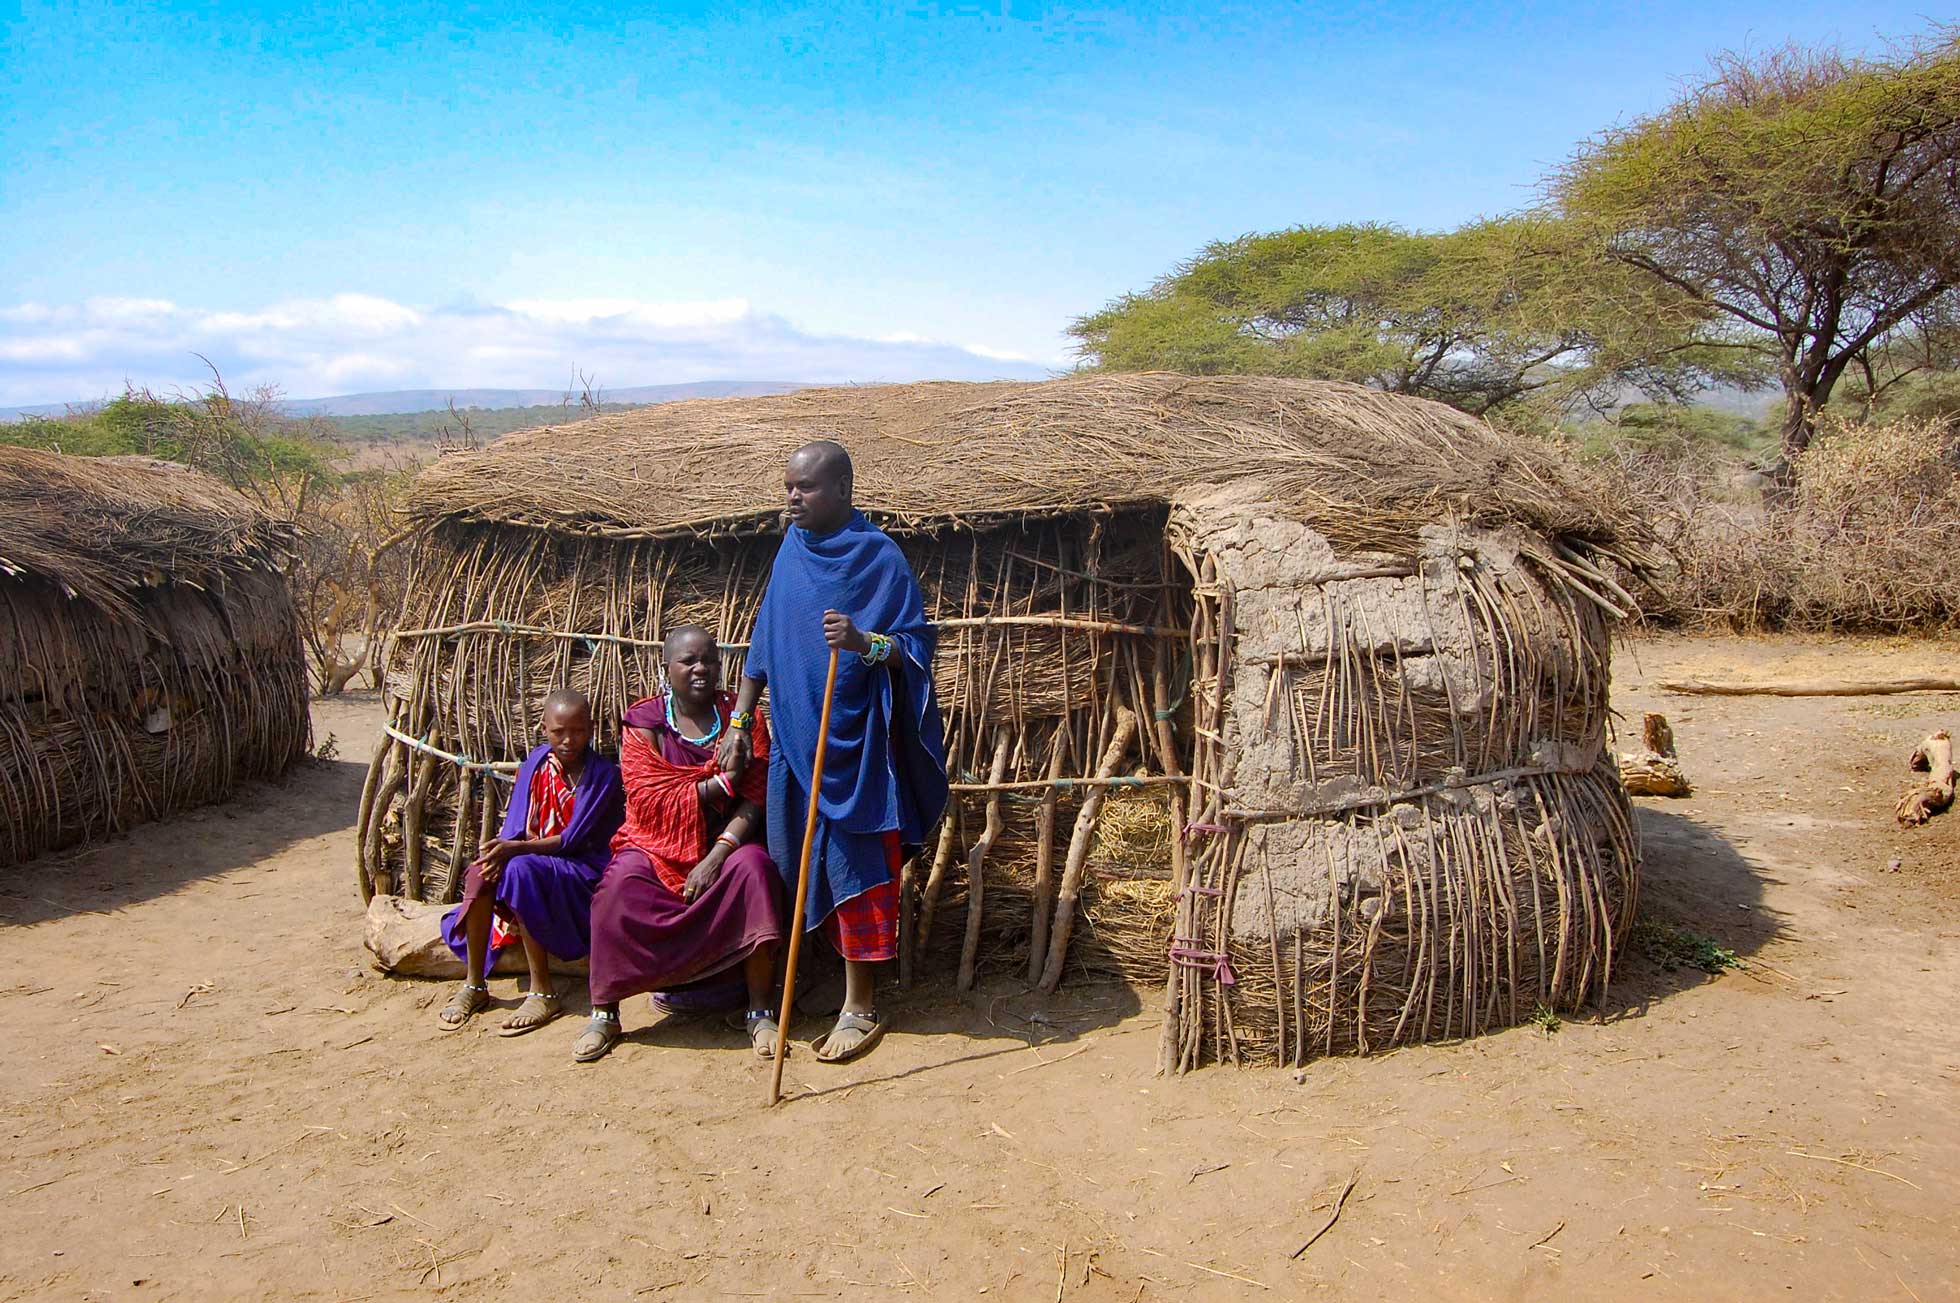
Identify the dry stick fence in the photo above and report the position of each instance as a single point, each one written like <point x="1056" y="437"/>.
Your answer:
<point x="1048" y="638"/>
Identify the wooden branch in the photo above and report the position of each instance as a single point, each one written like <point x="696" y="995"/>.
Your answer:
<point x="1809" y="687"/>
<point x="976" y="863"/>
<point x="1934" y="758"/>
<point x="1078" y="849"/>
<point x="1044" y="859"/>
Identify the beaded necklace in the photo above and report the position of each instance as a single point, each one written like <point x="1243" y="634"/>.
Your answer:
<point x="674" y="721"/>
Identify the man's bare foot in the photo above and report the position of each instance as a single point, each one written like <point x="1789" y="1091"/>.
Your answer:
<point x="854" y="1035"/>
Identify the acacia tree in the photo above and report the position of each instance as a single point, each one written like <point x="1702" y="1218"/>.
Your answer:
<point x="1494" y="315"/>
<point x="1809" y="200"/>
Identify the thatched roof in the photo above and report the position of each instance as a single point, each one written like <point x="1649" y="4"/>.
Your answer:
<point x="102" y="527"/>
<point x="1368" y="464"/>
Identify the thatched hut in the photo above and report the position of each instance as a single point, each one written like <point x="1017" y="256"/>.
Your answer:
<point x="1289" y="696"/>
<point x="149" y="654"/>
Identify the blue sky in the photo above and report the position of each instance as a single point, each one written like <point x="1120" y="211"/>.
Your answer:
<point x="392" y="196"/>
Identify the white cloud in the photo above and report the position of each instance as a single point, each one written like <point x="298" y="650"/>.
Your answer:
<point x="51" y="353"/>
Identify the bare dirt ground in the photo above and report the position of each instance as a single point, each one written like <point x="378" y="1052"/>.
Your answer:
<point x="205" y="1094"/>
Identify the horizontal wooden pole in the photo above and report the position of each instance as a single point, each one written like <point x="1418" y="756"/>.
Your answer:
<point x="963" y="622"/>
<point x="503" y="769"/>
<point x="1808" y="687"/>
<point x="1044" y="784"/>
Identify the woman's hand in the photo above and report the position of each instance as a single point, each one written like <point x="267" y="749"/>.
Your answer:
<point x="704" y="874"/>
<point x="841" y="632"/>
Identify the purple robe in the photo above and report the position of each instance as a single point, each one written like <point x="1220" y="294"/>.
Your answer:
<point x="551" y="895"/>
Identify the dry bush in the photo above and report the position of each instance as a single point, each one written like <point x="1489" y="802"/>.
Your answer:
<point x="1864" y="544"/>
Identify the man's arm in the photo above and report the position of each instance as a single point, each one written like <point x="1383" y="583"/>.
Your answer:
<point x="737" y="748"/>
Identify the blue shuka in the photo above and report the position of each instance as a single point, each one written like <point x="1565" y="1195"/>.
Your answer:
<point x="885" y="766"/>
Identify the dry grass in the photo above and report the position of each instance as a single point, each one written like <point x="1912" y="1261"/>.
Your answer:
<point x="1366" y="468"/>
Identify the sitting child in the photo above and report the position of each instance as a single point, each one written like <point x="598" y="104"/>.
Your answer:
<point x="538" y="874"/>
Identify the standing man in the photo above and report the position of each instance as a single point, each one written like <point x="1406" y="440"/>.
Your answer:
<point x="839" y="582"/>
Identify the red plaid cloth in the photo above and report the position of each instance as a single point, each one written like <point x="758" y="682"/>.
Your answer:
<point x="864" y="929"/>
<point x="552" y="799"/>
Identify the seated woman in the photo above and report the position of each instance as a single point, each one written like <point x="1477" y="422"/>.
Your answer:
<point x="691" y="894"/>
<point x="536" y="877"/>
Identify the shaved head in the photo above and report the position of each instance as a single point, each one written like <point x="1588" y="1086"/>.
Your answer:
<point x="826" y="458"/>
<point x="679" y="636"/>
<point x="817" y="482"/>
<point x="567" y="703"/>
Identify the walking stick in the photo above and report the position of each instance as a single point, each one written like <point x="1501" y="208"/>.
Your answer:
<point x="802" y="887"/>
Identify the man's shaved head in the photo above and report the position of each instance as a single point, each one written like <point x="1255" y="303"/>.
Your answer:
<point x="817" y="482"/>
<point x="825" y="457"/>
<point x="568" y="703"/>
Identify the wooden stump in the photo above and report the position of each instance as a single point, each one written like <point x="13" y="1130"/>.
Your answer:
<point x="1933" y="757"/>
<point x="1654" y="770"/>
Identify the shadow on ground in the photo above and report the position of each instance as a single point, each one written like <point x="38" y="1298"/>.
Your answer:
<point x="256" y="821"/>
<point x="1694" y="884"/>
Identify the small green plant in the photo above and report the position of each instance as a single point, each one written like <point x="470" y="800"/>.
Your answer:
<point x="1674" y="947"/>
<point x="1545" y="1019"/>
<point x="327" y="750"/>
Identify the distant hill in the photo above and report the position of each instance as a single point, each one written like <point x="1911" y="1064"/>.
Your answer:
<point x="406" y="401"/>
<point x="436" y="400"/>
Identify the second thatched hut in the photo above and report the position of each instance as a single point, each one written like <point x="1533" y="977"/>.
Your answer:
<point x="1289" y="697"/>
<point x="149" y="653"/>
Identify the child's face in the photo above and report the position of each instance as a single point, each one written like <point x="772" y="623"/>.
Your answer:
<point x="569" y="731"/>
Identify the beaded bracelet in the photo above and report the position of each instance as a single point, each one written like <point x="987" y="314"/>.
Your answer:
<point x="742" y="719"/>
<point x="880" y="651"/>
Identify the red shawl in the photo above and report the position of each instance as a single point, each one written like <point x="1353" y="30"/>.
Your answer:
<point x="666" y="819"/>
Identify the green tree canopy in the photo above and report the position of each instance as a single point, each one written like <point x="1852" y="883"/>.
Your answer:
<point x="1811" y="201"/>
<point x="1492" y="315"/>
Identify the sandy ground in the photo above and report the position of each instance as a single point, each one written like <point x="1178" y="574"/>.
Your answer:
<point x="206" y="1095"/>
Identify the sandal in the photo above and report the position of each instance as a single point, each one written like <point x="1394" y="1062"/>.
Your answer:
<point x="467" y="1003"/>
<point x="539" y="1008"/>
<point x="763" y="1032"/>
<point x="854" y="1035"/>
<point x="598" y="1038"/>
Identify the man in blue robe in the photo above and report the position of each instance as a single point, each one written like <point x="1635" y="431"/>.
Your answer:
<point x="840" y="582"/>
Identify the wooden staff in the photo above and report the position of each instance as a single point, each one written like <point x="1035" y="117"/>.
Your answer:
<point x="802" y="887"/>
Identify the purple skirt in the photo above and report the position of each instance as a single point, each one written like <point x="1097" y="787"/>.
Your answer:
<point x="549" y="894"/>
<point x="646" y="938"/>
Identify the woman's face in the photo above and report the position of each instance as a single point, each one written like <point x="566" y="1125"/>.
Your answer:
<point x="694" y="669"/>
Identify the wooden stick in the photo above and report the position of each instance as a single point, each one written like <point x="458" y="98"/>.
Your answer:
<point x="1078" y="850"/>
<point x="619" y="640"/>
<point x="802" y="885"/>
<point x="976" y="866"/>
<point x="1063" y="784"/>
<point x="1808" y="687"/>
<point x="1044" y="858"/>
